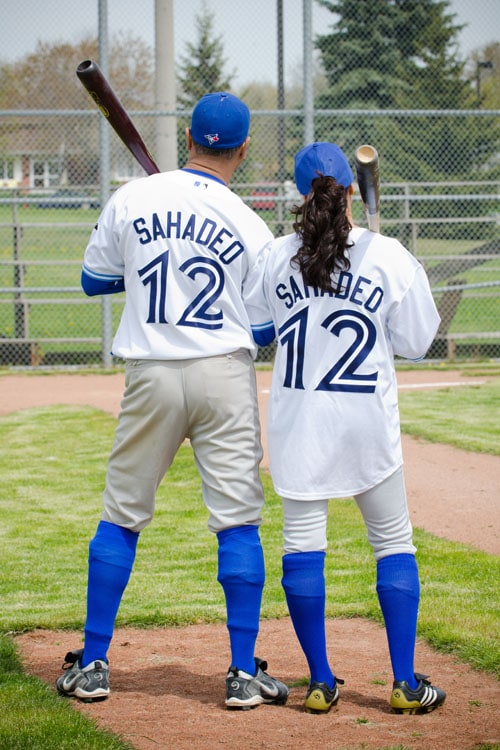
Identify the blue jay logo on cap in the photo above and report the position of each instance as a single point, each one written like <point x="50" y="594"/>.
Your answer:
<point x="220" y="121"/>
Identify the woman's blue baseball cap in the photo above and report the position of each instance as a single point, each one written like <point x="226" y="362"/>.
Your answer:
<point x="327" y="158"/>
<point x="220" y="120"/>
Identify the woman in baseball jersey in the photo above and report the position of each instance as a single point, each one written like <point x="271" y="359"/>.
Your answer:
<point x="342" y="301"/>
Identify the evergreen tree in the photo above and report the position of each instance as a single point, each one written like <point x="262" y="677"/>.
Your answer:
<point x="202" y="67"/>
<point x="392" y="54"/>
<point x="400" y="55"/>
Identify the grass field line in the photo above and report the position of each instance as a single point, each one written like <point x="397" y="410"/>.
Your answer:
<point x="444" y="384"/>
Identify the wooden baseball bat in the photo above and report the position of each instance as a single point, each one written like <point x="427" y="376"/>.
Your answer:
<point x="92" y="78"/>
<point x="367" y="173"/>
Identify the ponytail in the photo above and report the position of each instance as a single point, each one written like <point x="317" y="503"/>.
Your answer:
<point x="323" y="226"/>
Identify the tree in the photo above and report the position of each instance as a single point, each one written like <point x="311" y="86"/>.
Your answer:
<point x="483" y="71"/>
<point x="25" y="84"/>
<point x="201" y="69"/>
<point x="391" y="54"/>
<point x="400" y="55"/>
<point x="71" y="142"/>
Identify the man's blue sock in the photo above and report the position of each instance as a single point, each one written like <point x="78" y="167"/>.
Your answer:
<point x="398" y="589"/>
<point x="111" y="557"/>
<point x="241" y="575"/>
<point x="304" y="585"/>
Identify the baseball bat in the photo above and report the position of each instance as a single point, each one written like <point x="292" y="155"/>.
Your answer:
<point x="92" y="78"/>
<point x="367" y="173"/>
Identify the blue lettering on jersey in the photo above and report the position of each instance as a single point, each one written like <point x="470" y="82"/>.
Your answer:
<point x="357" y="290"/>
<point x="141" y="229"/>
<point x="206" y="231"/>
<point x="297" y="295"/>
<point x="188" y="233"/>
<point x="202" y="231"/>
<point x="344" y="285"/>
<point x="173" y="227"/>
<point x="157" y="228"/>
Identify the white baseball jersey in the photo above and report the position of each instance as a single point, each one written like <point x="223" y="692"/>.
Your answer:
<point x="333" y="419"/>
<point x="184" y="243"/>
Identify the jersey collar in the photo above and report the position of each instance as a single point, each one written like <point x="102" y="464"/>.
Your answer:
<point x="205" y="175"/>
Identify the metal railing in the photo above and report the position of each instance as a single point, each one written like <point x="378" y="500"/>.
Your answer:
<point x="465" y="283"/>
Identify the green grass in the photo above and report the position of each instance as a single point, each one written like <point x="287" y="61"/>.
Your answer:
<point x="50" y="503"/>
<point x="34" y="718"/>
<point x="434" y="414"/>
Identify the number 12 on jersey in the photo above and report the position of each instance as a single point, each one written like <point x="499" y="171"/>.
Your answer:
<point x="197" y="311"/>
<point x="344" y="375"/>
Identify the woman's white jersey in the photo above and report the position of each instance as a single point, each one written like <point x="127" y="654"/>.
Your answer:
<point x="333" y="420"/>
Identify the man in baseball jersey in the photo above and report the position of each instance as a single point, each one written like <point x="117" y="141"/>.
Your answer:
<point x="182" y="244"/>
<point x="342" y="301"/>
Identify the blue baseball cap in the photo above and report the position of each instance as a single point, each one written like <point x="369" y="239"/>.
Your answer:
<point x="327" y="158"/>
<point x="220" y="120"/>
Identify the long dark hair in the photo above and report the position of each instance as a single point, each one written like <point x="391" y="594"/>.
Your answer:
<point x="323" y="226"/>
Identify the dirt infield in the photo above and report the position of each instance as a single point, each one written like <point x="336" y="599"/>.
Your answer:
<point x="168" y="684"/>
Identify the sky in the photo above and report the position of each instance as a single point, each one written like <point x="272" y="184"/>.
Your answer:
<point x="248" y="28"/>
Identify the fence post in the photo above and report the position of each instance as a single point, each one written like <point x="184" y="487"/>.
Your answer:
<point x="308" y="74"/>
<point x="406" y="228"/>
<point x="19" y="302"/>
<point x="106" y="304"/>
<point x="281" y="118"/>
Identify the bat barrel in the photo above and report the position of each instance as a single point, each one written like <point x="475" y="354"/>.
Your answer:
<point x="366" y="154"/>
<point x="92" y="78"/>
<point x="85" y="67"/>
<point x="366" y="162"/>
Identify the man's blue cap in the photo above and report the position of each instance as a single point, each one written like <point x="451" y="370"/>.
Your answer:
<point x="220" y="120"/>
<point x="327" y="158"/>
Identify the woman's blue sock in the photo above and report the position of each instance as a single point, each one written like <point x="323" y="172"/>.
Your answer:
<point x="304" y="585"/>
<point x="398" y="589"/>
<point x="111" y="557"/>
<point x="241" y="575"/>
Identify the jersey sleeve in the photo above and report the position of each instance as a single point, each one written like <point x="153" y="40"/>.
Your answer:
<point x="415" y="321"/>
<point x="255" y="301"/>
<point x="93" y="284"/>
<point x="103" y="265"/>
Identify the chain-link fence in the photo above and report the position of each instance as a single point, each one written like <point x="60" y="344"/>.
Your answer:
<point x="439" y="166"/>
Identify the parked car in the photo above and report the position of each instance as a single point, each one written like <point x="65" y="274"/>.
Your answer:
<point x="264" y="199"/>
<point x="69" y="199"/>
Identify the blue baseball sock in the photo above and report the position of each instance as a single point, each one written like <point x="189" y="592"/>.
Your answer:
<point x="398" y="589"/>
<point x="241" y="575"/>
<point x="111" y="557"/>
<point x="304" y="585"/>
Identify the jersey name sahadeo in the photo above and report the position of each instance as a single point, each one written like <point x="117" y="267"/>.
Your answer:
<point x="183" y="244"/>
<point x="334" y="376"/>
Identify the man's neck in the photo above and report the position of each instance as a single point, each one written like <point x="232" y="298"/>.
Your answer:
<point x="219" y="169"/>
